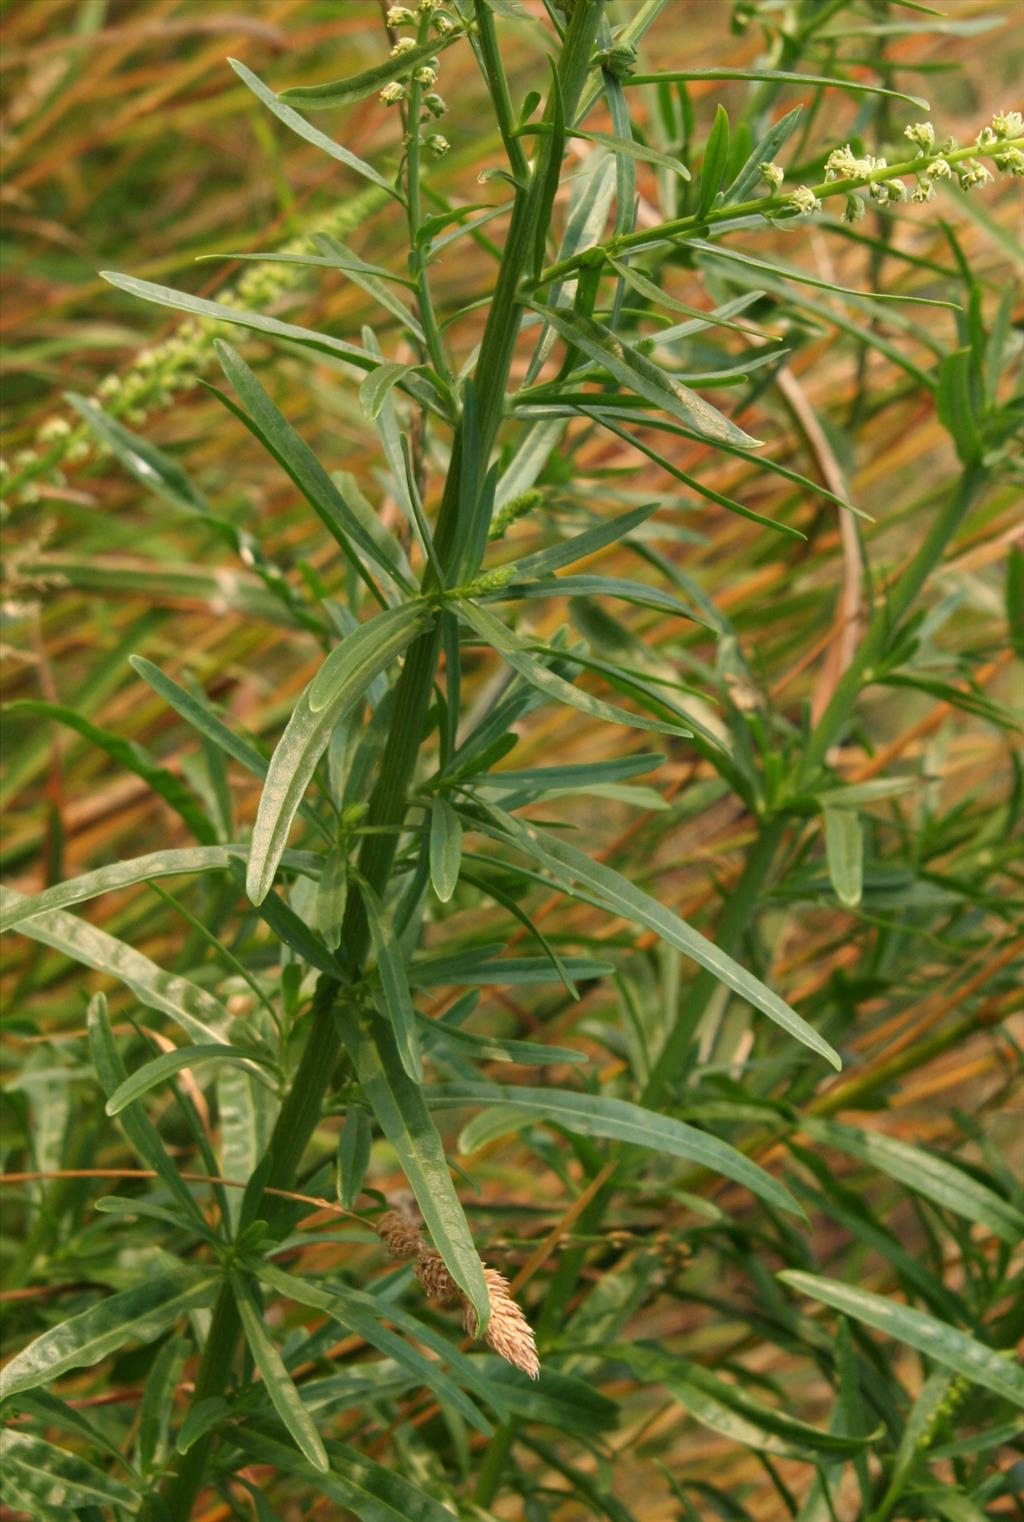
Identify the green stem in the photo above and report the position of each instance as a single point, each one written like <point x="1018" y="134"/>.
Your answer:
<point x="303" y="1105"/>
<point x="890" y="615"/>
<point x="494" y="73"/>
<point x="414" y="209"/>
<point x="740" y="909"/>
<point x="764" y="205"/>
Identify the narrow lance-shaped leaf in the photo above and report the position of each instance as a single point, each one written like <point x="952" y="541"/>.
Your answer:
<point x="273" y="327"/>
<point x="394" y="982"/>
<point x="652" y="292"/>
<point x="937" y="1178"/>
<point x="363" y="1314"/>
<point x="844" y="852"/>
<point x="639" y="374"/>
<point x="776" y="76"/>
<point x="285" y="1397"/>
<point x="515" y="652"/>
<point x="764" y="151"/>
<point x="618" y="1119"/>
<point x="353" y="1482"/>
<point x="292" y="119"/>
<point x="445" y="848"/>
<point x="599" y="883"/>
<point x="344" y="92"/>
<point x="405" y="1120"/>
<point x="168" y="1063"/>
<point x="53" y="1477"/>
<point x="729" y="1410"/>
<point x="151" y="466"/>
<point x="609" y="531"/>
<point x="945" y="1344"/>
<point x="353" y="1154"/>
<point x="119" y="874"/>
<point x="200" y="1015"/>
<point x="295" y="456"/>
<point x="716" y="158"/>
<point x="138" y="1314"/>
<point x="137" y="1126"/>
<point x="337" y="687"/>
<point x="129" y="754"/>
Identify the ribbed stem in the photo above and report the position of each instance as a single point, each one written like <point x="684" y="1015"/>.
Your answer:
<point x="302" y="1106"/>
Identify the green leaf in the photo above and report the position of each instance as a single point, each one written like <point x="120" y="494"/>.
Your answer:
<point x="764" y="152"/>
<point x="200" y="1015"/>
<point x="515" y="651"/>
<point x="373" y="392"/>
<point x="1015" y="599"/>
<point x="775" y="76"/>
<point x="445" y="848"/>
<point x="139" y="1129"/>
<point x="335" y="690"/>
<point x="168" y="1063"/>
<point x="151" y="466"/>
<point x="246" y="1112"/>
<point x="297" y="124"/>
<point x="158" y="1402"/>
<point x="394" y="982"/>
<point x="55" y="1478"/>
<point x="138" y="1314"/>
<point x="728" y="1409"/>
<point x="354" y="1149"/>
<point x="353" y="1481"/>
<point x="633" y="150"/>
<point x="619" y="1120"/>
<point x="298" y="460"/>
<point x="651" y="292"/>
<point x="790" y="272"/>
<point x="640" y="375"/>
<point x="609" y="531"/>
<point x="362" y="1315"/>
<point x="637" y="592"/>
<point x="331" y="898"/>
<point x="120" y="874"/>
<point x="554" y="1399"/>
<point x="480" y="966"/>
<point x="610" y="890"/>
<point x="198" y="306"/>
<point x="566" y="779"/>
<point x="495" y="1048"/>
<point x="51" y="1411"/>
<point x="938" y="1179"/>
<point x="200" y="1419"/>
<point x="286" y="1399"/>
<point x="200" y="715"/>
<point x="716" y="160"/>
<point x="134" y="757"/>
<point x="344" y="92"/>
<point x="844" y="852"/>
<point x="945" y="1344"/>
<point x="405" y="1120"/>
<point x="955" y="404"/>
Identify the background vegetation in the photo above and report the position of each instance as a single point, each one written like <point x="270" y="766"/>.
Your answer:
<point x="675" y="1358"/>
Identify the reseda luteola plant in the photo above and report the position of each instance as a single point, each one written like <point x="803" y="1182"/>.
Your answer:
<point x="388" y="775"/>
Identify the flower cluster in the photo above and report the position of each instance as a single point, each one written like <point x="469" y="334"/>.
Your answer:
<point x="934" y="161"/>
<point x="508" y="1331"/>
<point x="164" y="370"/>
<point x="424" y="75"/>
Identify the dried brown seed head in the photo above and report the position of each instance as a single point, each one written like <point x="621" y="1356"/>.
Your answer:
<point x="508" y="1331"/>
<point x="400" y="1234"/>
<point x="437" y="1282"/>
